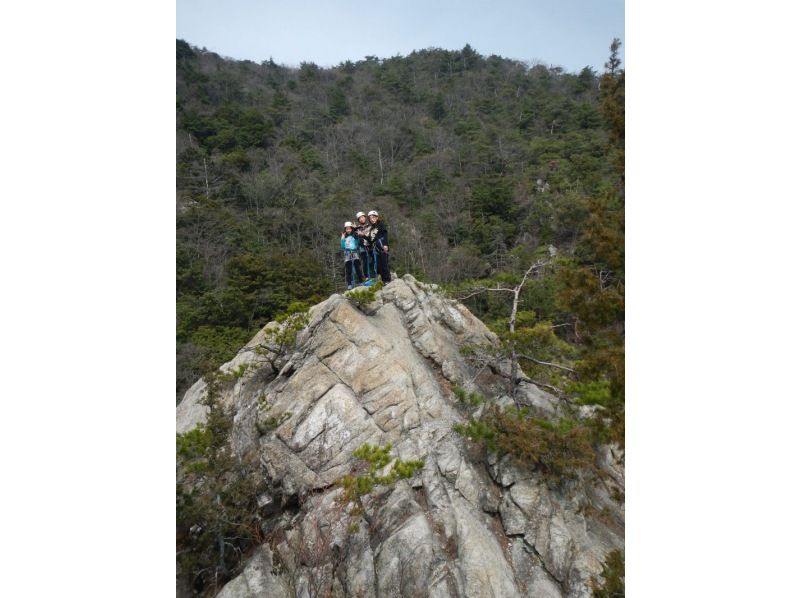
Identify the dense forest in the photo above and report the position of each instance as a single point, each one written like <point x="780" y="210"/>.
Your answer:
<point x="481" y="166"/>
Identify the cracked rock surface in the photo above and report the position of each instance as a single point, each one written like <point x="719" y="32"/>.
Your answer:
<point x="461" y="526"/>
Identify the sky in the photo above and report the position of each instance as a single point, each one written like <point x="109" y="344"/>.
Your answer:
<point x="567" y="33"/>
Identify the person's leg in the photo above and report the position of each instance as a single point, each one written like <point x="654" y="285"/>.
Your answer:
<point x="365" y="263"/>
<point x="359" y="273"/>
<point x="348" y="275"/>
<point x="383" y="266"/>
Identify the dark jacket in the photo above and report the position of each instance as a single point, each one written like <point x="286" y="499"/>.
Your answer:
<point x="379" y="235"/>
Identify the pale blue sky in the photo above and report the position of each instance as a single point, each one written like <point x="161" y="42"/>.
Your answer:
<point x="567" y="33"/>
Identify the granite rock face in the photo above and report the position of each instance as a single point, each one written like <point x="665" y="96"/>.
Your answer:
<point x="384" y="373"/>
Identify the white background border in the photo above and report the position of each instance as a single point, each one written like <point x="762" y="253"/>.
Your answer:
<point x="87" y="246"/>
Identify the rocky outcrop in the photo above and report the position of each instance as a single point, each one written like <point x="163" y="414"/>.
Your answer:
<point x="384" y="373"/>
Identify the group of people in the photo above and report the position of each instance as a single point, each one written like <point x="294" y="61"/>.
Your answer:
<point x="366" y="250"/>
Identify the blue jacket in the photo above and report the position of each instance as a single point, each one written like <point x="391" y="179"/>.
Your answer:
<point x="350" y="246"/>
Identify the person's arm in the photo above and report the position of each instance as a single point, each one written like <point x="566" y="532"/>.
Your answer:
<point x="384" y="234"/>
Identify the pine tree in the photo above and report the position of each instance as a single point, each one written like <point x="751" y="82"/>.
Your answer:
<point x="593" y="286"/>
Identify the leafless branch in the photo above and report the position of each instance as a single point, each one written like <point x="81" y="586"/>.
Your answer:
<point x="553" y="388"/>
<point x="205" y="168"/>
<point x="604" y="276"/>
<point x="479" y="290"/>
<point x="538" y="264"/>
<point x="555" y="365"/>
<point x="512" y="323"/>
<point x="480" y="371"/>
<point x="495" y="368"/>
<point x="235" y="548"/>
<point x="517" y="289"/>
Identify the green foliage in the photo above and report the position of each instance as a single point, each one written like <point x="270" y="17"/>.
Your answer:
<point x="309" y="71"/>
<point x="337" y="104"/>
<point x="483" y="163"/>
<point x="363" y="296"/>
<point x="592" y="285"/>
<point x="492" y="196"/>
<point x="235" y="373"/>
<point x="543" y="355"/>
<point x="613" y="577"/>
<point x="539" y="337"/>
<point x="310" y="159"/>
<point x="478" y="431"/>
<point x="438" y="110"/>
<point x="270" y="423"/>
<point x="612" y="92"/>
<point x="595" y="392"/>
<point x="295" y="310"/>
<point x="192" y="445"/>
<point x="538" y="340"/>
<point x="183" y="50"/>
<point x="559" y="451"/>
<point x="585" y="80"/>
<point x="228" y="128"/>
<point x="473" y="398"/>
<point x="266" y="423"/>
<point x="594" y="293"/>
<point x="283" y="336"/>
<point x="219" y="343"/>
<point x="376" y="458"/>
<point x="216" y="498"/>
<point x="214" y="323"/>
<point x="237" y="159"/>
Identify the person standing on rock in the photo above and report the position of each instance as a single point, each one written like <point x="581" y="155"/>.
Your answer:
<point x="379" y="238"/>
<point x="352" y="262"/>
<point x="365" y="248"/>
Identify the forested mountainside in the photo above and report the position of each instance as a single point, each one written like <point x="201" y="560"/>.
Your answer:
<point x="481" y="167"/>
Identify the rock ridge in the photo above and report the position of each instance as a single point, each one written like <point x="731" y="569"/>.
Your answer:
<point x="385" y="373"/>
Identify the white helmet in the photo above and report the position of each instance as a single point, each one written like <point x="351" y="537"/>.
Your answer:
<point x="373" y="213"/>
<point x="359" y="215"/>
<point x="348" y="223"/>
